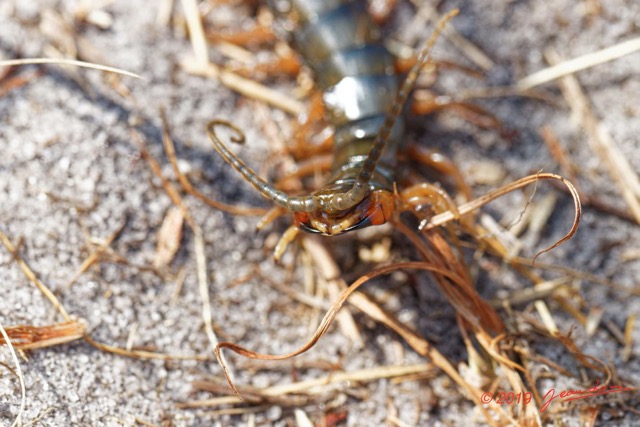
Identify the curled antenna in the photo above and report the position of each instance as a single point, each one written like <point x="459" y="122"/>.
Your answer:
<point x="293" y="203"/>
<point x="348" y="199"/>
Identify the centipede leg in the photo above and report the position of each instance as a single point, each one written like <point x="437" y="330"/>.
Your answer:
<point x="439" y="163"/>
<point x="271" y="215"/>
<point x="288" y="237"/>
<point x="284" y="62"/>
<point x="403" y="65"/>
<point x="429" y="103"/>
<point x="426" y="102"/>
<point x="281" y="65"/>
<point x="422" y="195"/>
<point x="258" y="35"/>
<point x="308" y="131"/>
<point x="425" y="195"/>
<point x="313" y="166"/>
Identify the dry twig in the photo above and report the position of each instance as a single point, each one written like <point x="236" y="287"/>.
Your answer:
<point x="23" y="391"/>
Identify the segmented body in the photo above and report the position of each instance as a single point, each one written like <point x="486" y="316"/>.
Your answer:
<point x="356" y="74"/>
<point x="363" y="98"/>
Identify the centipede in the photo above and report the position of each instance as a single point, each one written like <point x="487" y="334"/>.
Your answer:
<point x="378" y="180"/>
<point x="364" y="99"/>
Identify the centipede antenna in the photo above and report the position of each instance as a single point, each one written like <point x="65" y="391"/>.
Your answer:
<point x="359" y="190"/>
<point x="292" y="203"/>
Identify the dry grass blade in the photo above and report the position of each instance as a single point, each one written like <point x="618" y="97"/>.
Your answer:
<point x="540" y="290"/>
<point x="9" y="83"/>
<point x="557" y="151"/>
<point x="26" y="270"/>
<point x="203" y="286"/>
<point x="23" y="391"/>
<point x="577" y="274"/>
<point x="164" y="13"/>
<point x="235" y="52"/>
<point x="157" y="170"/>
<point x="61" y="61"/>
<point x="302" y="419"/>
<point x="546" y="317"/>
<point x="565" y="68"/>
<point x="473" y="205"/>
<point x="95" y="255"/>
<point x="330" y="274"/>
<point x="628" y="337"/>
<point x="601" y="142"/>
<point x="422" y="347"/>
<point x="311" y="387"/>
<point x="587" y="360"/>
<point x="142" y="354"/>
<point x="302" y="297"/>
<point x="144" y="423"/>
<point x="247" y="87"/>
<point x="456" y="285"/>
<point x="196" y="32"/>
<point x="32" y="337"/>
<point x="630" y="255"/>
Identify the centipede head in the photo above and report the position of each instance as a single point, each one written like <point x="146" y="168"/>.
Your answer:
<point x="375" y="209"/>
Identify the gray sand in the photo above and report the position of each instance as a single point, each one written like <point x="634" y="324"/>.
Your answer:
<point x="67" y="146"/>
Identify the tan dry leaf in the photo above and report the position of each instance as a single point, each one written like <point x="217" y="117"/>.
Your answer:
<point x="169" y="237"/>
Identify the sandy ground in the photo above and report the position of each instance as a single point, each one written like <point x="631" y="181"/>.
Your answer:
<point x="70" y="169"/>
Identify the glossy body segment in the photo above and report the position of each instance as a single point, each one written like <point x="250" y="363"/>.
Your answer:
<point x="355" y="72"/>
